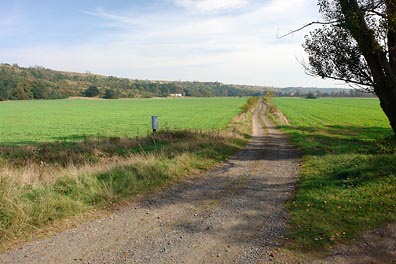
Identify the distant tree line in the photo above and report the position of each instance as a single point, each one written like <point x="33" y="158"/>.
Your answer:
<point x="19" y="83"/>
<point x="319" y="92"/>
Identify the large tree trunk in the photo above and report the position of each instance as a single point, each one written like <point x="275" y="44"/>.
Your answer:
<point x="383" y="69"/>
<point x="387" y="97"/>
<point x="390" y="111"/>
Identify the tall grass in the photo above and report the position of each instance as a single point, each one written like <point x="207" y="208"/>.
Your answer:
<point x="45" y="182"/>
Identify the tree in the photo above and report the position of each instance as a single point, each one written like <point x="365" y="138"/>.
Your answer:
<point x="357" y="44"/>
<point x="92" y="91"/>
<point x="111" y="94"/>
<point x="39" y="90"/>
<point x="22" y="91"/>
<point x="310" y="95"/>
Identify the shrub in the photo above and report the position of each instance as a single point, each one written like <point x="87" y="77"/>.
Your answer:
<point x="92" y="91"/>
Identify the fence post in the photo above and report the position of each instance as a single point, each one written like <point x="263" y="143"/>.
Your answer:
<point x="154" y="123"/>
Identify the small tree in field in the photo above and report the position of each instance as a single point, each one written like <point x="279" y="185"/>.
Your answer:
<point x="357" y="44"/>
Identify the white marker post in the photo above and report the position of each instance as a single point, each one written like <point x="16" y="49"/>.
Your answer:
<point x="154" y="123"/>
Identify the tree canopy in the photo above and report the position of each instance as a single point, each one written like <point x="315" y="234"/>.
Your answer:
<point x="357" y="44"/>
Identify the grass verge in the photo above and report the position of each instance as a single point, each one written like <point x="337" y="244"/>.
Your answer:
<point x="348" y="174"/>
<point x="46" y="182"/>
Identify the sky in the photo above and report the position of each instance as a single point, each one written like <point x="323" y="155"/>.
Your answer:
<point x="230" y="41"/>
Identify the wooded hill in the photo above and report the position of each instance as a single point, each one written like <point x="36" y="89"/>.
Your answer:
<point x="19" y="83"/>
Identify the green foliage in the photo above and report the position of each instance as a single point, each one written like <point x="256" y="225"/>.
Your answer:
<point x="111" y="94"/>
<point x="353" y="45"/>
<point x="26" y="122"/>
<point x="22" y="84"/>
<point x="250" y="104"/>
<point x="344" y="188"/>
<point x="18" y="83"/>
<point x="311" y="96"/>
<point x="49" y="84"/>
<point x="91" y="91"/>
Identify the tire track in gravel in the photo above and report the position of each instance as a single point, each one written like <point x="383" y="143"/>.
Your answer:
<point x="233" y="213"/>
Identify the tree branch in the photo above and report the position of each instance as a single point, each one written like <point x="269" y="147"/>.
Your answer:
<point x="364" y="86"/>
<point x="309" y="71"/>
<point x="373" y="12"/>
<point x="305" y="26"/>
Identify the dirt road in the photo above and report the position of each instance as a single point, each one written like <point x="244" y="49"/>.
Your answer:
<point x="232" y="214"/>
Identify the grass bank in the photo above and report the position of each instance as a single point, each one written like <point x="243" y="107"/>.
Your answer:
<point x="50" y="181"/>
<point x="348" y="173"/>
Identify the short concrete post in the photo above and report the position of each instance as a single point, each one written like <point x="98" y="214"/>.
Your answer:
<point x="154" y="123"/>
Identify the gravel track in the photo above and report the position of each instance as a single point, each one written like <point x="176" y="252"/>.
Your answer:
<point x="233" y="213"/>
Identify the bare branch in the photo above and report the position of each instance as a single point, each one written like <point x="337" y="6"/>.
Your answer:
<point x="305" y="26"/>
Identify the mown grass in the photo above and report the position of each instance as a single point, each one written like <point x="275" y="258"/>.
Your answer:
<point x="29" y="122"/>
<point x="50" y="181"/>
<point x="348" y="176"/>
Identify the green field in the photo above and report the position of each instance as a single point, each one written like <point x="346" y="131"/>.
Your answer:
<point x="348" y="173"/>
<point x="360" y="115"/>
<point x="45" y="182"/>
<point x="25" y="122"/>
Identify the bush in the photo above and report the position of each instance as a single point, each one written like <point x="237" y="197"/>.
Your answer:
<point x="92" y="91"/>
<point x="311" y="96"/>
<point x="111" y="94"/>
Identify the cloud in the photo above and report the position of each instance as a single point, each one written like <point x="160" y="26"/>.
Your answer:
<point x="210" y="5"/>
<point x="231" y="47"/>
<point x="116" y="20"/>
